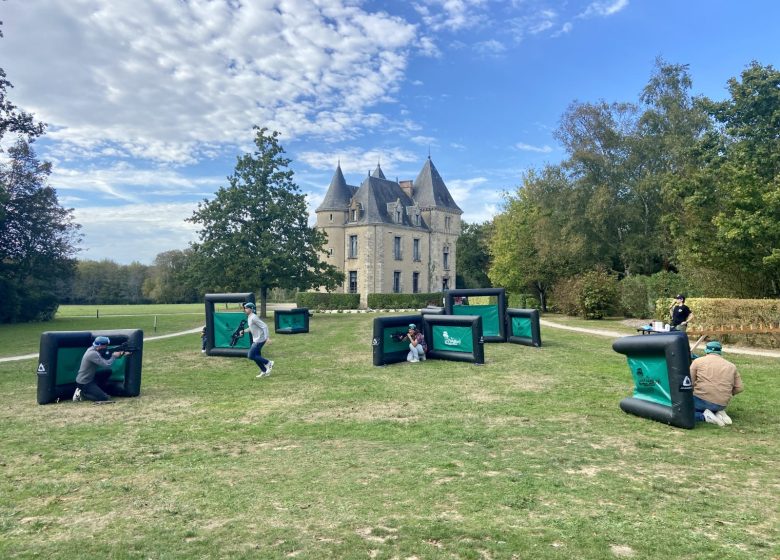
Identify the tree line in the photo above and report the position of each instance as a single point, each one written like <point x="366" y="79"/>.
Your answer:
<point x="672" y="183"/>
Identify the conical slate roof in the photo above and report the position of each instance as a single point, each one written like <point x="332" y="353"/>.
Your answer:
<point x="375" y="194"/>
<point x="378" y="172"/>
<point x="430" y="190"/>
<point x="339" y="193"/>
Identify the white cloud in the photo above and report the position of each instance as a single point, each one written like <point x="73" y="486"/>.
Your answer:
<point x="537" y="149"/>
<point x="424" y="140"/>
<point x="135" y="232"/>
<point x="565" y="28"/>
<point x="490" y="47"/>
<point x="179" y="81"/>
<point x="532" y="23"/>
<point x="604" y="8"/>
<point x="451" y="15"/>
<point x="359" y="161"/>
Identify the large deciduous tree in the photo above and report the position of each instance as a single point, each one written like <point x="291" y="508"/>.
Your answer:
<point x="474" y="255"/>
<point x="255" y="233"/>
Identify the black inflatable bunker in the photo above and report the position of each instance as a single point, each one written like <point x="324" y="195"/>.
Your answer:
<point x="389" y="341"/>
<point x="291" y="321"/>
<point x="454" y="337"/>
<point x="660" y="367"/>
<point x="223" y="326"/>
<point x="493" y="314"/>
<point x="522" y="327"/>
<point x="432" y="310"/>
<point x="60" y="356"/>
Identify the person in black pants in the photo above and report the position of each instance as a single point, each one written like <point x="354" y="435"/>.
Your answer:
<point x="86" y="386"/>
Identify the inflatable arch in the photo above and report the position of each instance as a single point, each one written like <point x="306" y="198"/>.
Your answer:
<point x="493" y="314"/>
<point x="291" y="321"/>
<point x="60" y="356"/>
<point x="522" y="327"/>
<point x="223" y="327"/>
<point x="660" y="367"/>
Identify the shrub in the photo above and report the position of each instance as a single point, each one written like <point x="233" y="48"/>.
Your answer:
<point x="321" y="300"/>
<point x="599" y="294"/>
<point x="666" y="285"/>
<point x="404" y="301"/>
<point x="565" y="296"/>
<point x="633" y="296"/>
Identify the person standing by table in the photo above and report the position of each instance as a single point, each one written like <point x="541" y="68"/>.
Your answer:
<point x="681" y="314"/>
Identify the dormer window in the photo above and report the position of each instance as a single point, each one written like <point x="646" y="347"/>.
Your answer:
<point x="355" y="211"/>
<point x="414" y="214"/>
<point x="396" y="211"/>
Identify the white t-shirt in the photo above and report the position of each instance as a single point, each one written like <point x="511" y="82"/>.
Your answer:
<point x="258" y="329"/>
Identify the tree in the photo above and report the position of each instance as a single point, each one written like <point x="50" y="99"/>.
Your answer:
<point x="39" y="238"/>
<point x="473" y="255"/>
<point x="173" y="278"/>
<point x="255" y="232"/>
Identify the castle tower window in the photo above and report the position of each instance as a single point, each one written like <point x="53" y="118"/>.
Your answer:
<point x="416" y="282"/>
<point x="397" y="248"/>
<point x="397" y="282"/>
<point x="446" y="258"/>
<point x="353" y="246"/>
<point x="353" y="281"/>
<point x="447" y="223"/>
<point x="416" y="250"/>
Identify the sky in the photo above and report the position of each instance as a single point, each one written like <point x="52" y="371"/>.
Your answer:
<point x="149" y="102"/>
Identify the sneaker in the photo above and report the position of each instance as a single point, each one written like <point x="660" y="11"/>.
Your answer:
<point x="710" y="418"/>
<point x="77" y="395"/>
<point x="203" y="351"/>
<point x="414" y="360"/>
<point x="723" y="416"/>
<point x="269" y="367"/>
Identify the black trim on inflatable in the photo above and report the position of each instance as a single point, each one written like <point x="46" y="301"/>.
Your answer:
<point x="432" y="310"/>
<point x="49" y="391"/>
<point x="675" y="349"/>
<point x="279" y="313"/>
<point x="533" y="316"/>
<point x="211" y="300"/>
<point x="500" y="293"/>
<point x="474" y="322"/>
<point x="396" y="322"/>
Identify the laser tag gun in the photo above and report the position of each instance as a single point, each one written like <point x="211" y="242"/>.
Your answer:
<point x="238" y="333"/>
<point x="399" y="336"/>
<point x="124" y="347"/>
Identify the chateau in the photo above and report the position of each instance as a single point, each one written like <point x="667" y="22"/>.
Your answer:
<point x="391" y="236"/>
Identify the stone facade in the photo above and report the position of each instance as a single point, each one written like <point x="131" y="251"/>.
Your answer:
<point x="389" y="236"/>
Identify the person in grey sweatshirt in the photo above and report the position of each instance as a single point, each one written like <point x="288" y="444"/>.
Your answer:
<point x="86" y="386"/>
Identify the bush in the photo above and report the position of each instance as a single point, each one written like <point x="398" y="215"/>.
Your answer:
<point x="321" y="300"/>
<point x="633" y="296"/>
<point x="665" y="285"/>
<point x="599" y="294"/>
<point x="404" y="301"/>
<point x="565" y="296"/>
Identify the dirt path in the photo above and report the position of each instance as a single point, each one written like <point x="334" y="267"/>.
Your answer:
<point x="616" y="334"/>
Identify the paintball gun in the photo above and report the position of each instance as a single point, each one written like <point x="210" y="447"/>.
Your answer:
<point x="124" y="347"/>
<point x="399" y="336"/>
<point x="238" y="333"/>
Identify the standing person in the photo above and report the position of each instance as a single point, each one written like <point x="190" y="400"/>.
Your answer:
<point x="86" y="386"/>
<point x="417" y="345"/>
<point x="681" y="314"/>
<point x="203" y="338"/>
<point x="259" y="331"/>
<point x="715" y="381"/>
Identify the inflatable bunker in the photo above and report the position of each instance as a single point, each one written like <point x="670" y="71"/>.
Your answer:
<point x="432" y="310"/>
<point x="454" y="337"/>
<point x="223" y="327"/>
<point x="660" y="367"/>
<point x="493" y="314"/>
<point x="60" y="356"/>
<point x="291" y="321"/>
<point x="389" y="341"/>
<point x="522" y="327"/>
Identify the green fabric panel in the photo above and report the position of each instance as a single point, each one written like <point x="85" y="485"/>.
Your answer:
<point x="224" y="326"/>
<point x="391" y="345"/>
<point x="489" y="314"/>
<point x="291" y="321"/>
<point x="448" y="337"/>
<point x="69" y="361"/>
<point x="651" y="379"/>
<point x="521" y="326"/>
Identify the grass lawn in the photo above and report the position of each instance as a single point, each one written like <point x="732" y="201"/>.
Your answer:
<point x="527" y="457"/>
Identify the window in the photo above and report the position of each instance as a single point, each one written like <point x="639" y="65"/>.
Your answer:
<point x="354" y="216"/>
<point x="416" y="250"/>
<point x="353" y="247"/>
<point x="396" y="282"/>
<point x="415" y="282"/>
<point x="331" y="217"/>
<point x="398" y="218"/>
<point x="352" y="281"/>
<point x="447" y="221"/>
<point x="330" y="252"/>
<point x="446" y="258"/>
<point x="445" y="284"/>
<point x="397" y="248"/>
<point x="417" y="219"/>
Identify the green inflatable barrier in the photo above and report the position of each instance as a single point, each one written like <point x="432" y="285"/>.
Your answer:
<point x="523" y="327"/>
<point x="223" y="327"/>
<point x="291" y="321"/>
<point x="493" y="315"/>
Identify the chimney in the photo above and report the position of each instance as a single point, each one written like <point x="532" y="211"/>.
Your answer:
<point x="406" y="186"/>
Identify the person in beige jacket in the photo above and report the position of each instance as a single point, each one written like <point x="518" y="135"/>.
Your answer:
<point x="715" y="381"/>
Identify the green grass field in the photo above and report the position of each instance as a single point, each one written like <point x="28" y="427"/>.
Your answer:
<point x="527" y="457"/>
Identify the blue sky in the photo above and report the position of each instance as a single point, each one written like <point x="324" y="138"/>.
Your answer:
<point x="149" y="102"/>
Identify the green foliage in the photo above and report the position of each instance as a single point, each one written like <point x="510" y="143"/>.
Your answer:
<point x="173" y="278"/>
<point x="666" y="284"/>
<point x="473" y="254"/>
<point x="404" y="301"/>
<point x="599" y="294"/>
<point x="522" y="301"/>
<point x="255" y="233"/>
<point x="565" y="296"/>
<point x="633" y="296"/>
<point x="327" y="300"/>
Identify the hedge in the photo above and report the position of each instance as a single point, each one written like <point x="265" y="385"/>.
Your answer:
<point x="404" y="301"/>
<point x="320" y="300"/>
<point x="727" y="312"/>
